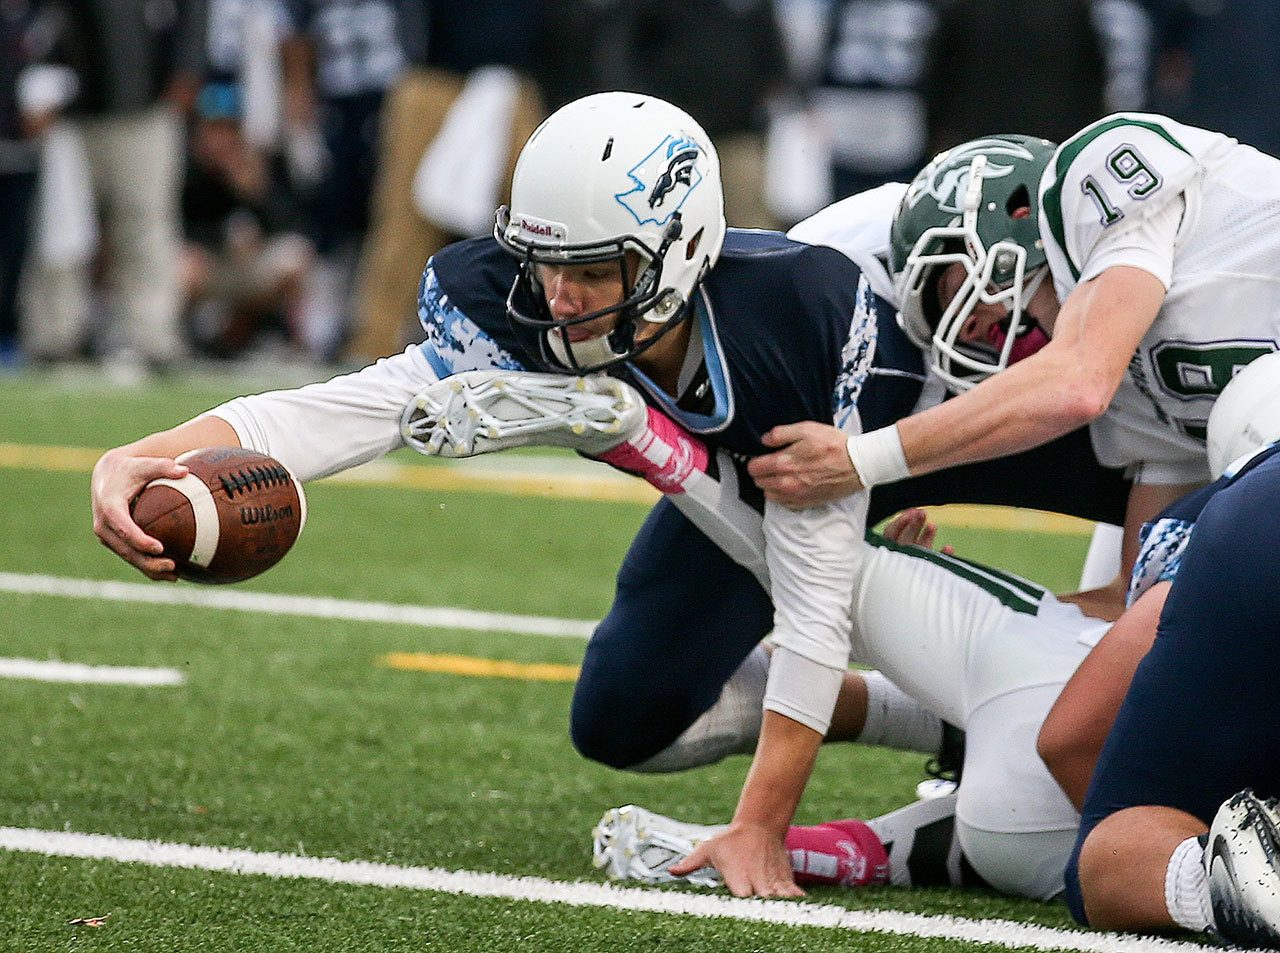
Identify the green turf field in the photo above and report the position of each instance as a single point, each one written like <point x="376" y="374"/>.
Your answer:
<point x="288" y="736"/>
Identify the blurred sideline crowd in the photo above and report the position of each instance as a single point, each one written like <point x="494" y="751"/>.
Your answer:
<point x="185" y="179"/>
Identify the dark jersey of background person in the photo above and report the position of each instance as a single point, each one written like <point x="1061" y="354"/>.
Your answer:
<point x="996" y="65"/>
<point x="1218" y="67"/>
<point x="358" y="52"/>
<point x="776" y="322"/>
<point x="124" y="52"/>
<point x="19" y="159"/>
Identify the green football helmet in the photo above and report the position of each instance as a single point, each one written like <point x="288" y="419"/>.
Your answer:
<point x="975" y="205"/>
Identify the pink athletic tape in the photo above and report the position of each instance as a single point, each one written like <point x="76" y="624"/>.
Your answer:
<point x="665" y="454"/>
<point x="841" y="853"/>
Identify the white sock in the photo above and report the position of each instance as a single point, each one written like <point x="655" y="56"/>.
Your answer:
<point x="1186" y="888"/>
<point x="896" y="720"/>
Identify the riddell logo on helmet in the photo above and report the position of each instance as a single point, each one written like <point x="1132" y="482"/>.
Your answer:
<point x="539" y="228"/>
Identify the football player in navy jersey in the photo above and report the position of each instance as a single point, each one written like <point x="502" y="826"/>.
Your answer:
<point x="614" y="257"/>
<point x="1158" y="846"/>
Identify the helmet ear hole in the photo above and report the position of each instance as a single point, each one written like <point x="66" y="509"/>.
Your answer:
<point x="691" y="247"/>
<point x="1018" y="205"/>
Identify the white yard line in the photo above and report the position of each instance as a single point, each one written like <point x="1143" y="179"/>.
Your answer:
<point x="439" y="617"/>
<point x="77" y="673"/>
<point x="1003" y="933"/>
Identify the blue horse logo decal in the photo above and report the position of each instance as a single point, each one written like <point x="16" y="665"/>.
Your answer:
<point x="662" y="180"/>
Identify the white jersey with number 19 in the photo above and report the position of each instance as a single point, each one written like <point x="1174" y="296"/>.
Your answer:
<point x="1201" y="212"/>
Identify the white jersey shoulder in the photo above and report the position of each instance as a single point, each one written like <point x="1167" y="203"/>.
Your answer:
<point x="1124" y="168"/>
<point x="859" y="227"/>
<point x="1222" y="306"/>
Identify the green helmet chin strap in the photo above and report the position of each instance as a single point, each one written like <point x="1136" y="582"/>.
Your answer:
<point x="976" y="207"/>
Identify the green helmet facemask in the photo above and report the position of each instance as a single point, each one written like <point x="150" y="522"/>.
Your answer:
<point x="975" y="205"/>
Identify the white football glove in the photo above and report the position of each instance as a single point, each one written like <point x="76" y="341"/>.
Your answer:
<point x="477" y="412"/>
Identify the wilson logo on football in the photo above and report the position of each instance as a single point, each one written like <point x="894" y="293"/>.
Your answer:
<point x="251" y="515"/>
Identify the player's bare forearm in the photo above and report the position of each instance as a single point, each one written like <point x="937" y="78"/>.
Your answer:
<point x="1023" y="407"/>
<point x="201" y="432"/>
<point x="750" y="854"/>
<point x="1103" y="602"/>
<point x="1072" y="735"/>
<point x="1146" y="502"/>
<point x="784" y="760"/>
<point x="1029" y="404"/>
<point x="1065" y="385"/>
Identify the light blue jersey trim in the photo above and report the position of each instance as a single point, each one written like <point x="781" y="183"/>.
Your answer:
<point x="454" y="343"/>
<point x="1160" y="556"/>
<point x="717" y="375"/>
<point x="856" y="356"/>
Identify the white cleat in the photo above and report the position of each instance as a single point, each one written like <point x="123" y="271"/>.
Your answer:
<point x="1242" y="860"/>
<point x="482" y="411"/>
<point x="631" y="843"/>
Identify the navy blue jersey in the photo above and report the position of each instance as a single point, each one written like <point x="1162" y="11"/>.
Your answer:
<point x="787" y="334"/>
<point x="1163" y="540"/>
<point x="359" y="49"/>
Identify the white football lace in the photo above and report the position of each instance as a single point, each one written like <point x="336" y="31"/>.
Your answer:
<point x="475" y="412"/>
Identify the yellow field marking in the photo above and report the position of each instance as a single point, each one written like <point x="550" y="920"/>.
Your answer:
<point x="15" y="456"/>
<point x="609" y="486"/>
<point x="480" y="667"/>
<point x="1009" y="518"/>
<point x="569" y="484"/>
<point x="572" y="486"/>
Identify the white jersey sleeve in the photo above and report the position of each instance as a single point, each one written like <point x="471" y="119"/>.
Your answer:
<point x="814" y="556"/>
<point x="1123" y="176"/>
<point x="858" y="226"/>
<point x="323" y="428"/>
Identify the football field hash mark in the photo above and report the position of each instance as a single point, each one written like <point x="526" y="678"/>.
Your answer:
<point x="80" y="674"/>
<point x="319" y="607"/>
<point x="1001" y="933"/>
<point x="480" y="667"/>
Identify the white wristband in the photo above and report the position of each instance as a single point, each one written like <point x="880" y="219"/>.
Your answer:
<point x="877" y="457"/>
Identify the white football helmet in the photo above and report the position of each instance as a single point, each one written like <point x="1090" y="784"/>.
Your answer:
<point x="1246" y="415"/>
<point x="605" y="175"/>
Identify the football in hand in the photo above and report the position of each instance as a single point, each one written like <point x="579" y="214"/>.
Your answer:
<point x="234" y="515"/>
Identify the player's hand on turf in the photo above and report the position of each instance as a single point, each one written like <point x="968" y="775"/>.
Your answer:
<point x="752" y="860"/>
<point x="912" y="528"/>
<point x="118" y="478"/>
<point x="810" y="467"/>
